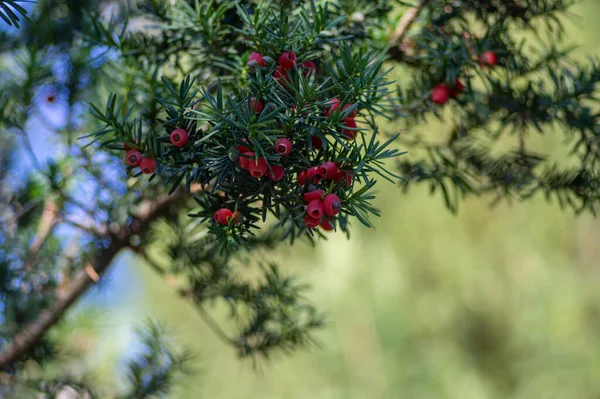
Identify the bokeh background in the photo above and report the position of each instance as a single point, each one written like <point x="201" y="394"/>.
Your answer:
<point x="495" y="302"/>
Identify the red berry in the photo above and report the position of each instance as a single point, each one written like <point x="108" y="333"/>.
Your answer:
<point x="258" y="167"/>
<point x="309" y="67"/>
<point x="256" y="58"/>
<point x="458" y="89"/>
<point x="242" y="149"/>
<point x="326" y="225"/>
<point x="283" y="146"/>
<point x="329" y="170"/>
<point x="313" y="195"/>
<point x="287" y="60"/>
<point x="316" y="142"/>
<point x="280" y="74"/>
<point x="302" y="178"/>
<point x="332" y="204"/>
<point x="276" y="173"/>
<point x="488" y="58"/>
<point x="349" y="124"/>
<point x="148" y="166"/>
<point x="352" y="114"/>
<point x="345" y="176"/>
<point x="314" y="175"/>
<point x="244" y="160"/>
<point x="311" y="222"/>
<point x="333" y="105"/>
<point x="255" y="105"/>
<point x="315" y="209"/>
<point x="179" y="137"/>
<point x="133" y="158"/>
<point x="440" y="94"/>
<point x="222" y="216"/>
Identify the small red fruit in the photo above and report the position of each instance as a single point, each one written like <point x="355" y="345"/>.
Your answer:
<point x="315" y="209"/>
<point x="329" y="170"/>
<point x="302" y="178"/>
<point x="333" y="105"/>
<point x="313" y="195"/>
<point x="238" y="217"/>
<point x="287" y="60"/>
<point x="242" y="149"/>
<point x="133" y="158"/>
<point x="309" y="67"/>
<point x="283" y="146"/>
<point x="316" y="142"/>
<point x="280" y="74"/>
<point x="179" y="137"/>
<point x="326" y="225"/>
<point x="276" y="173"/>
<point x="352" y="114"/>
<point x="222" y="216"/>
<point x="440" y="94"/>
<point x="258" y="167"/>
<point x="148" y="166"/>
<point x="332" y="204"/>
<point x="256" y="58"/>
<point x="345" y="176"/>
<point x="314" y="175"/>
<point x="311" y="222"/>
<point x="458" y="89"/>
<point x="349" y="125"/>
<point x="255" y="105"/>
<point x="488" y="58"/>
<point x="244" y="160"/>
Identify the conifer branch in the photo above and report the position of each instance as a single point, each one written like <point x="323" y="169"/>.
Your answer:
<point x="406" y="21"/>
<point x="150" y="211"/>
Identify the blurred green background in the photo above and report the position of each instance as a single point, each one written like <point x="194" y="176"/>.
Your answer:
<point x="496" y="302"/>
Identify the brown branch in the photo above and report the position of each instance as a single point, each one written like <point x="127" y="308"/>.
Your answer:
<point x="406" y="21"/>
<point x="31" y="335"/>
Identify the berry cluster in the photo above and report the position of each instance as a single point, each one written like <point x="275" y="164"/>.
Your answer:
<point x="442" y="93"/>
<point x="135" y="158"/>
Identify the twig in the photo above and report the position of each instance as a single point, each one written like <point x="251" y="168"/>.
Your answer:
<point x="27" y="338"/>
<point x="406" y="21"/>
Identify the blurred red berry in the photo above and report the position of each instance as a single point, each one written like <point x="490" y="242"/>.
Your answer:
<point x="258" y="167"/>
<point x="345" y="176"/>
<point x="244" y="160"/>
<point x="349" y="125"/>
<point x="313" y="195"/>
<point x="311" y="223"/>
<point x="256" y="58"/>
<point x="440" y="94"/>
<point x="302" y="178"/>
<point x="148" y="166"/>
<point x="276" y="173"/>
<point x="283" y="146"/>
<point x="255" y="105"/>
<point x="488" y="58"/>
<point x="458" y="89"/>
<point x="316" y="142"/>
<point x="238" y="217"/>
<point x="280" y="74"/>
<point x="287" y="60"/>
<point x="315" y="209"/>
<point x="332" y="204"/>
<point x="329" y="170"/>
<point x="179" y="137"/>
<point x="222" y="216"/>
<point x="352" y="114"/>
<point x="309" y="67"/>
<point x="242" y="149"/>
<point x="133" y="158"/>
<point x="326" y="225"/>
<point x="314" y="175"/>
<point x="331" y="106"/>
